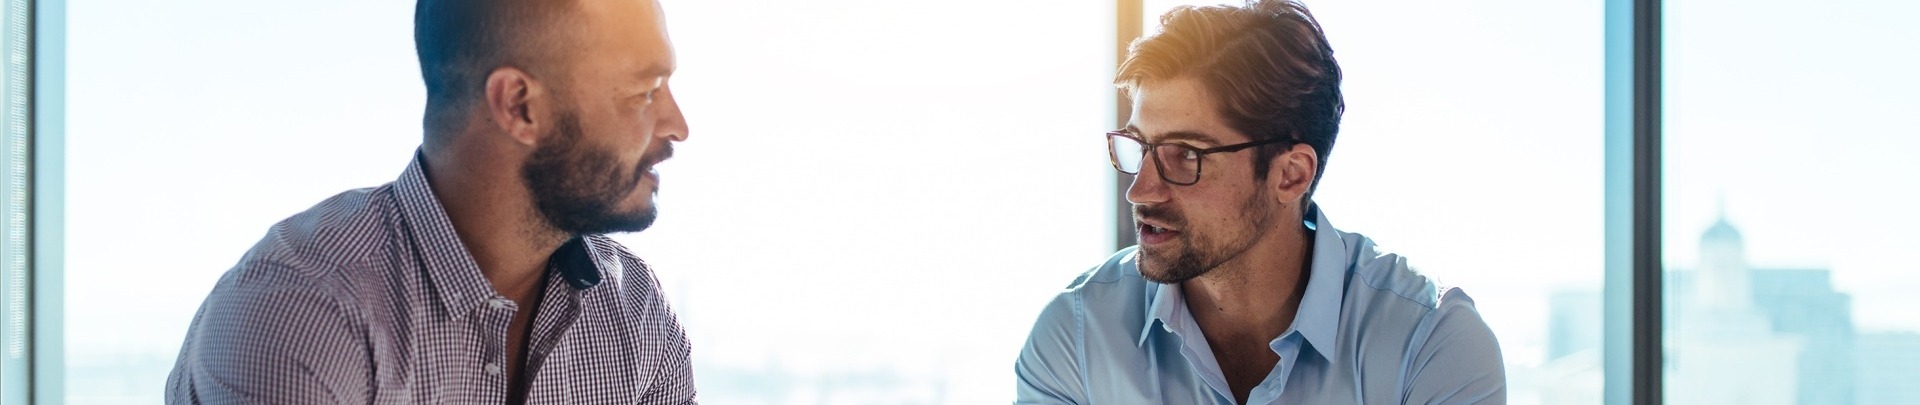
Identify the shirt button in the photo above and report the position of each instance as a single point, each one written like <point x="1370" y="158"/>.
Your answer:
<point x="493" y="368"/>
<point x="497" y="303"/>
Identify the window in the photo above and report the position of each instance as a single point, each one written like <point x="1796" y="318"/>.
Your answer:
<point x="874" y="210"/>
<point x="879" y="196"/>
<point x="1789" y="184"/>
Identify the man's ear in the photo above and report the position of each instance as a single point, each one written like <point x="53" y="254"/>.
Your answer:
<point x="1290" y="175"/>
<point x="514" y="100"/>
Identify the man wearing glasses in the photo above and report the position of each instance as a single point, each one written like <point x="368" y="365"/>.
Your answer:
<point x="1241" y="291"/>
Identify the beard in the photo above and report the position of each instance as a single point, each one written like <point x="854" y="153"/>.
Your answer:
<point x="1192" y="255"/>
<point x="577" y="188"/>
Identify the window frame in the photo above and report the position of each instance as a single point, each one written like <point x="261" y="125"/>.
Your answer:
<point x="35" y="293"/>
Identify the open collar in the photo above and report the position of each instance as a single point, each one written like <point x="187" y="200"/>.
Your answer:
<point x="1318" y="320"/>
<point x="454" y="274"/>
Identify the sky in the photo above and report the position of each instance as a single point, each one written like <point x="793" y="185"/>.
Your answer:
<point x="896" y="187"/>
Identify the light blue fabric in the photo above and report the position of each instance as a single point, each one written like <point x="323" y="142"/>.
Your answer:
<point x="1370" y="330"/>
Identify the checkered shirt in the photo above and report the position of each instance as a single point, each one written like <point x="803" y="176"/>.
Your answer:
<point x="370" y="298"/>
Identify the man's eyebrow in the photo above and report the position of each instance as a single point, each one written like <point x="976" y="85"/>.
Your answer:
<point x="654" y="71"/>
<point x="1190" y="136"/>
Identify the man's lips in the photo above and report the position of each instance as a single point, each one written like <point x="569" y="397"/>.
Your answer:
<point x="1152" y="232"/>
<point x="1159" y="225"/>
<point x="651" y="175"/>
<point x="650" y="168"/>
<point x="649" y="162"/>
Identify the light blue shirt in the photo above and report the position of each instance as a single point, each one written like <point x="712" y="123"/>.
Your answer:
<point x="1370" y="330"/>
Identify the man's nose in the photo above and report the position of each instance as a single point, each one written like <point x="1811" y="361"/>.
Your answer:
<point x="1147" y="187"/>
<point x="672" y="123"/>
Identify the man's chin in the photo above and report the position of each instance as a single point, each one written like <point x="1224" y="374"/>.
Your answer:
<point x="635" y="220"/>
<point x="1153" y="270"/>
<point x="623" y="224"/>
<point x="1165" y="268"/>
<point x="605" y="222"/>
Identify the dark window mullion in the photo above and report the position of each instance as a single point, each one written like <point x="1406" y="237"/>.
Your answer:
<point x="1648" y="358"/>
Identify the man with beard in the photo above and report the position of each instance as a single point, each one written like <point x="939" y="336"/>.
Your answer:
<point x="481" y="275"/>
<point x="1241" y="291"/>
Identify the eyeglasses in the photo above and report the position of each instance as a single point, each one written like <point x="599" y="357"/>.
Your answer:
<point x="1178" y="164"/>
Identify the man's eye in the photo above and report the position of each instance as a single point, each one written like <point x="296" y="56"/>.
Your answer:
<point x="1190" y="154"/>
<point x="658" y="84"/>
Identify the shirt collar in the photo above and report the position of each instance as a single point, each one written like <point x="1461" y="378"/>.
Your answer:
<point x="450" y="267"/>
<point x="577" y="265"/>
<point x="1318" y="320"/>
<point x="1319" y="317"/>
<point x="1163" y="302"/>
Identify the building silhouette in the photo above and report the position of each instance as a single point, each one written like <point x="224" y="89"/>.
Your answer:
<point x="1741" y="334"/>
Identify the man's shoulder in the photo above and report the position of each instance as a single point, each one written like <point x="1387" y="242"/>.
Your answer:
<point x="1118" y="271"/>
<point x="281" y="323"/>
<point x="1399" y="299"/>
<point x="1109" y="283"/>
<point x="1100" y="311"/>
<point x="624" y="269"/>
<point x="1445" y="349"/>
<point x="1109" y="296"/>
<point x="641" y="297"/>
<point x="1383" y="276"/>
<point x="321" y="246"/>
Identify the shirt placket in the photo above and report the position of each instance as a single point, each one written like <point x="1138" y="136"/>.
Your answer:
<point x="1270" y="389"/>
<point x="557" y="313"/>
<point x="493" y="320"/>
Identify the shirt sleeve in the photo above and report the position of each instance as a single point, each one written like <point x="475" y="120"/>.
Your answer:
<point x="259" y="343"/>
<point x="1049" y="370"/>
<point x="673" y="385"/>
<point x="1459" y="363"/>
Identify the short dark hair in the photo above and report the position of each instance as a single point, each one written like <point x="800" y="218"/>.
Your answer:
<point x="1267" y="64"/>
<point x="460" y="42"/>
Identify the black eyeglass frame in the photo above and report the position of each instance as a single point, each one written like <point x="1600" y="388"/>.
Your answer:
<point x="1161" y="167"/>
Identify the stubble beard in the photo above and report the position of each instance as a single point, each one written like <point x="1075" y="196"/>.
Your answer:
<point x="1192" y="256"/>
<point x="577" y="189"/>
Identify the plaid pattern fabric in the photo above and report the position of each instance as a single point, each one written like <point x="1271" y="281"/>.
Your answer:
<point x="370" y="298"/>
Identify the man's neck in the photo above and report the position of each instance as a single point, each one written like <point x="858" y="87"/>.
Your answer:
<point x="1245" y="303"/>
<point x="1254" y="297"/>
<point x="494" y="216"/>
